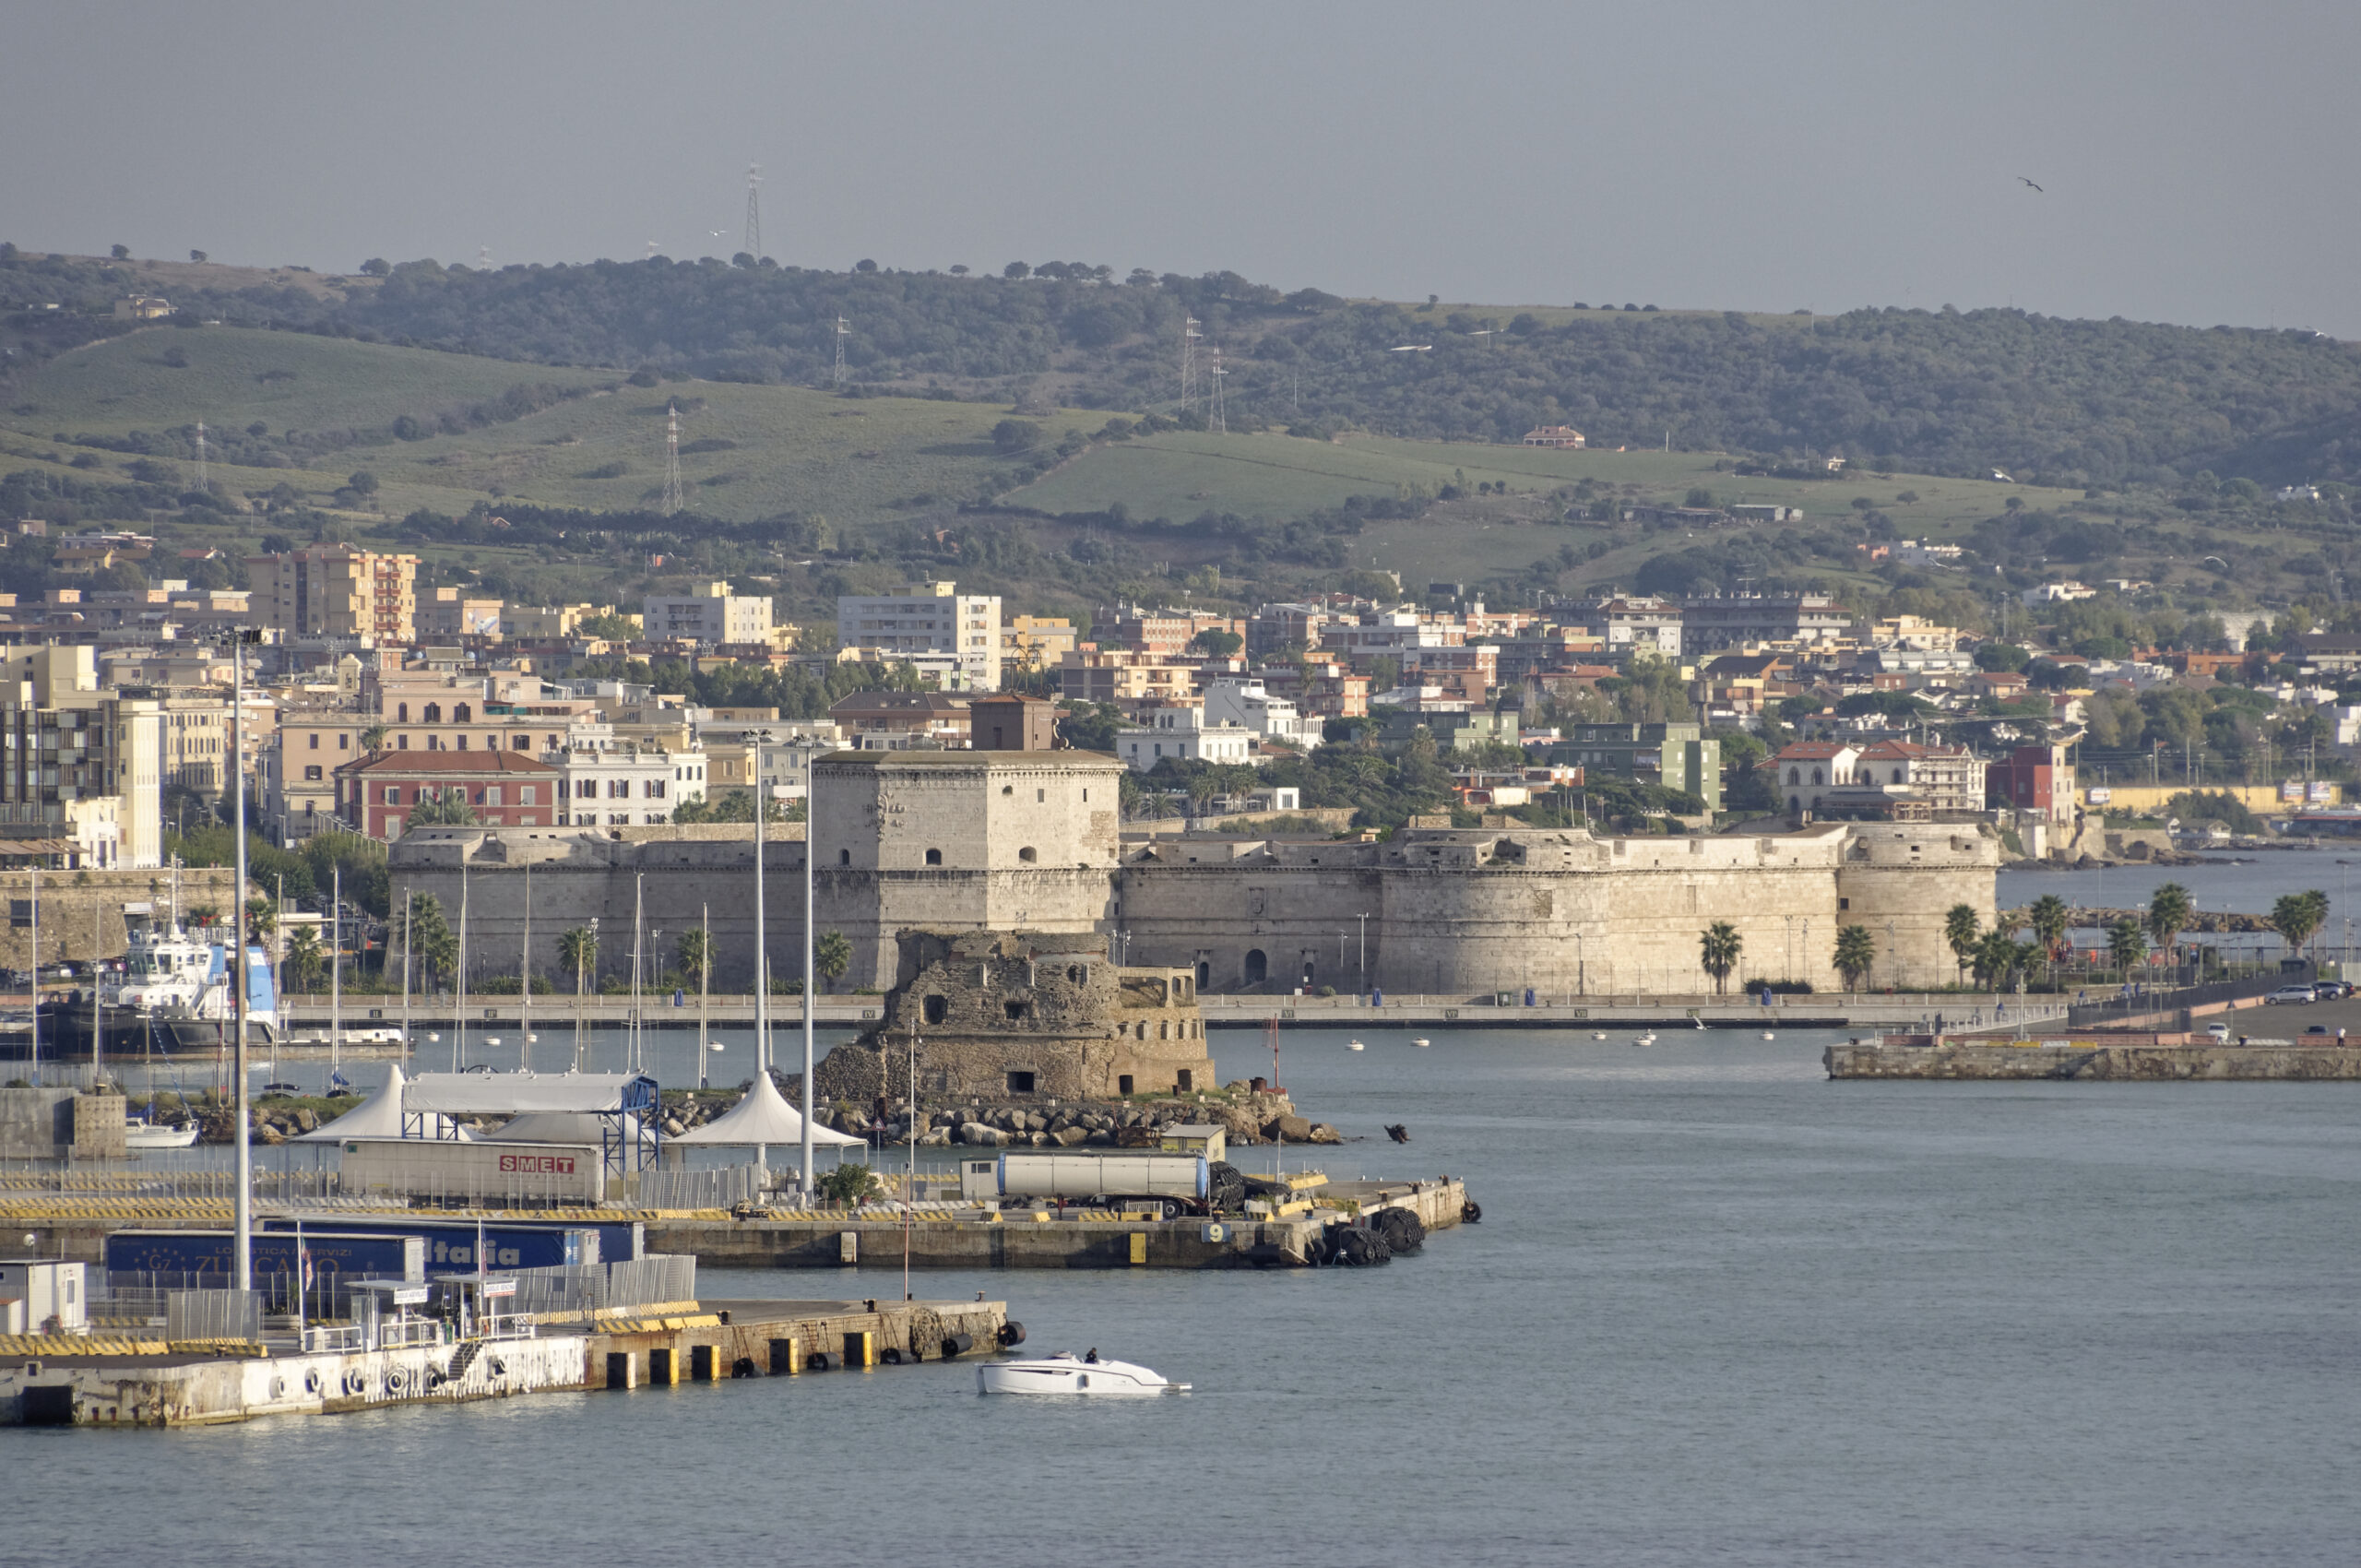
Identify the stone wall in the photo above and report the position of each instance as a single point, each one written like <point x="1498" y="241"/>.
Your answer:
<point x="81" y="911"/>
<point x="1024" y="1012"/>
<point x="53" y="1124"/>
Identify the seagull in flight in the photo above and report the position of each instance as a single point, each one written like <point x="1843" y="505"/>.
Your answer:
<point x="2025" y="181"/>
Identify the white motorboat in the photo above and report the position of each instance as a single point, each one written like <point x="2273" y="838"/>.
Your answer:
<point x="1768" y="1035"/>
<point x="1648" y="1038"/>
<point x="140" y="1134"/>
<point x="1354" y="1045"/>
<point x="1422" y="1042"/>
<point x="1066" y="1372"/>
<point x="1598" y="1034"/>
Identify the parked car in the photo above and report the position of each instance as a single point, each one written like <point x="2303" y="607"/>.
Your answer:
<point x="2331" y="990"/>
<point x="2317" y="1029"/>
<point x="2218" y="1031"/>
<point x="2290" y="993"/>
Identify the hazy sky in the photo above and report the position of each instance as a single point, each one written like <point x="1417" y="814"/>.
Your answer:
<point x="2198" y="159"/>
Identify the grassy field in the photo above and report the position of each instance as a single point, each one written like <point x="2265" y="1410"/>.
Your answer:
<point x="751" y="452"/>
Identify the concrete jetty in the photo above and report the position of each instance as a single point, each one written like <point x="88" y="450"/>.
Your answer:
<point x="126" y="1381"/>
<point x="2093" y="1057"/>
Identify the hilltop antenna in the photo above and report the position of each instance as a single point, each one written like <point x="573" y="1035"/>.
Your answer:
<point x="841" y="331"/>
<point x="673" y="459"/>
<point x="753" y="211"/>
<point x="651" y="250"/>
<point x="1189" y="336"/>
<point x="1215" y="420"/>
<point x="200" y="454"/>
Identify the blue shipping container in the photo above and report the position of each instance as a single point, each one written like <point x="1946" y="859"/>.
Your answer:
<point x="451" y="1245"/>
<point x="212" y="1252"/>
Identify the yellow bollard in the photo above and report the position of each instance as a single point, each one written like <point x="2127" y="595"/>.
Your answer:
<point x="1139" y="1246"/>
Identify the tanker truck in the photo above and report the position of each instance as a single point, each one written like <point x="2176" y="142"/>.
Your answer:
<point x="1174" y="1183"/>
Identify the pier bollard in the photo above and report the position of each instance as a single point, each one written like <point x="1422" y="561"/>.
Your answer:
<point x="1139" y="1247"/>
<point x="785" y="1360"/>
<point x="663" y="1369"/>
<point x="619" y="1368"/>
<point x="860" y="1348"/>
<point x="700" y="1363"/>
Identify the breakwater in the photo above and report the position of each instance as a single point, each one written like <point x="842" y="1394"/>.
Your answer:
<point x="2095" y="1059"/>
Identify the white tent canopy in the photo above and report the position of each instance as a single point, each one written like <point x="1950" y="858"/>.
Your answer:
<point x="567" y="1127"/>
<point x="513" y="1094"/>
<point x="763" y="1117"/>
<point x="379" y="1116"/>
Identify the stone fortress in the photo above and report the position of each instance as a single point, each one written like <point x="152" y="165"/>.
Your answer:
<point x="990" y="1013"/>
<point x="1030" y="841"/>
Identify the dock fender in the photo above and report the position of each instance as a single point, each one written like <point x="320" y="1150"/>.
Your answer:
<point x="1471" y="1212"/>
<point x="1012" y="1333"/>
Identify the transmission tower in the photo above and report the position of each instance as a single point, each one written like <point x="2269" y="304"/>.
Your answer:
<point x="841" y="330"/>
<point x="200" y="454"/>
<point x="673" y="459"/>
<point x="755" y="210"/>
<point x="1189" y="336"/>
<point x="484" y="258"/>
<point x="1213" y="419"/>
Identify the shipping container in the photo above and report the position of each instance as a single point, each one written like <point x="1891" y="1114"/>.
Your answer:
<point x="1085" y="1176"/>
<point x="183" y="1254"/>
<point x="556" y="1174"/>
<point x="451" y="1244"/>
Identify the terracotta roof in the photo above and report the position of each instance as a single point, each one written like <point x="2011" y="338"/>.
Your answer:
<point x="449" y="762"/>
<point x="1806" y="751"/>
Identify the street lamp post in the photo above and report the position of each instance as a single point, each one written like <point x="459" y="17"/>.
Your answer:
<point x="762" y="942"/>
<point x="810" y="861"/>
<point x="1363" y="918"/>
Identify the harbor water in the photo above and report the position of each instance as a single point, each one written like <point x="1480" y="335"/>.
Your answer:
<point x="1719" y="1309"/>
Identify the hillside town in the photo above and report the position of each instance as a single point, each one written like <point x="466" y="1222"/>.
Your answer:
<point x="367" y="710"/>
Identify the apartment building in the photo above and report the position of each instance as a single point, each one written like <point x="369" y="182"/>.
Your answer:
<point x="625" y="785"/>
<point x="378" y="795"/>
<point x="1184" y="734"/>
<point x="81" y="773"/>
<point x="929" y="619"/>
<point x="337" y="590"/>
<point x="711" y="615"/>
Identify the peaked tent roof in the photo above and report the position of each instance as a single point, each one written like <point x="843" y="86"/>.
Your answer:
<point x="763" y="1117"/>
<point x="379" y="1116"/>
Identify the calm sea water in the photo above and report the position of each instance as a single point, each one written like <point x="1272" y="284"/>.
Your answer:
<point x="1720" y="1311"/>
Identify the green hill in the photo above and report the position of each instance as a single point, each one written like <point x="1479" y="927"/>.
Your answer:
<point x="1943" y="392"/>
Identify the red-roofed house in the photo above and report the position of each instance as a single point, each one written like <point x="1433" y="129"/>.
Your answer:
<point x="377" y="795"/>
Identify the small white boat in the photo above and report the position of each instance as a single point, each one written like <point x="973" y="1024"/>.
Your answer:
<point x="1354" y="1045"/>
<point x="492" y="1039"/>
<point x="1648" y="1038"/>
<point x="1067" y="1373"/>
<point x="1422" y="1042"/>
<point x="139" y="1133"/>
<point x="1768" y="1035"/>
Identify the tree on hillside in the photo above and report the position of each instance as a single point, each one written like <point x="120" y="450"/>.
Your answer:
<point x="1856" y="953"/>
<point x="1718" y="950"/>
<point x="1012" y="437"/>
<point x="1961" y="931"/>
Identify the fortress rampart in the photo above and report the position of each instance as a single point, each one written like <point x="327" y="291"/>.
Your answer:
<point x="1006" y="841"/>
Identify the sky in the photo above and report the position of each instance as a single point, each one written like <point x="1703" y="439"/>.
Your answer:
<point x="2197" y="160"/>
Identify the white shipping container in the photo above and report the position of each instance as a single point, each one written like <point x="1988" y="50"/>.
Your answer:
<point x="434" y="1167"/>
<point x="1086" y="1176"/>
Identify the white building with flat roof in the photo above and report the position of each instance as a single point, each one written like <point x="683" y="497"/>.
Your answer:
<point x="1241" y="700"/>
<point x="1184" y="734"/>
<point x="713" y="615"/>
<point x="929" y="621"/>
<point x="624" y="786"/>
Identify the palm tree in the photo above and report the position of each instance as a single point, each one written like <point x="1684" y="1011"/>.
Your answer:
<point x="1996" y="956"/>
<point x="2169" y="914"/>
<point x="578" y="950"/>
<point x="1960" y="930"/>
<point x="692" y="957"/>
<point x="1857" y="952"/>
<point x="832" y="955"/>
<point x="262" y="918"/>
<point x="1719" y="947"/>
<point x="305" y="958"/>
<point x="2126" y="944"/>
<point x="373" y="738"/>
<point x="450" y="809"/>
<point x="2051" y="920"/>
<point x="2298" y="917"/>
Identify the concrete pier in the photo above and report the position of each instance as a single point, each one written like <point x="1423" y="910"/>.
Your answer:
<point x="2095" y="1059"/>
<point x="95" y="1381"/>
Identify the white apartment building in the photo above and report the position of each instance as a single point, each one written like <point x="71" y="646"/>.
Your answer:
<point x="928" y="620"/>
<point x="1184" y="734"/>
<point x="1241" y="700"/>
<point x="713" y="615"/>
<point x="624" y="786"/>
